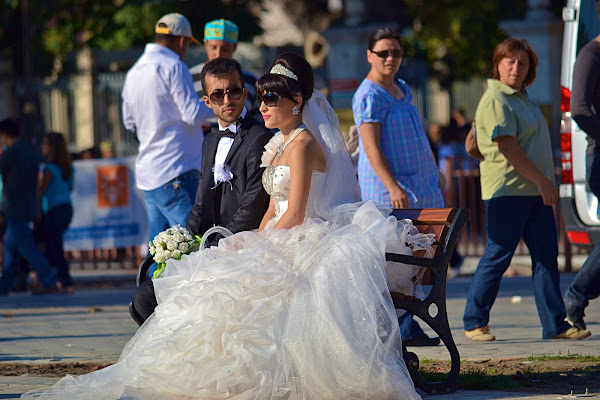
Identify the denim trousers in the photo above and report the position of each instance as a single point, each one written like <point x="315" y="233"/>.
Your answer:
<point x="19" y="241"/>
<point x="53" y="226"/>
<point x="508" y="219"/>
<point x="171" y="203"/>
<point x="586" y="285"/>
<point x="409" y="328"/>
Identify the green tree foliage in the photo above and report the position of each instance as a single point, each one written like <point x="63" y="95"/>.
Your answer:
<point x="457" y="37"/>
<point x="58" y="27"/>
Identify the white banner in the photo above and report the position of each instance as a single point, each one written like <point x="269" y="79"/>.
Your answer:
<point x="108" y="210"/>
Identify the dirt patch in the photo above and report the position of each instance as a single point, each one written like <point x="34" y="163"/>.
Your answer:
<point x="557" y="375"/>
<point x="50" y="369"/>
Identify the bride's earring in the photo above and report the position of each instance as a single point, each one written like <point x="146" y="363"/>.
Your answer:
<point x="295" y="110"/>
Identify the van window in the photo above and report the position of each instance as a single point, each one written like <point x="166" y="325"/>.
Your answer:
<point x="589" y="24"/>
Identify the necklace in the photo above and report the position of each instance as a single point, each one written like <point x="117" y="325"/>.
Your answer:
<point x="295" y="133"/>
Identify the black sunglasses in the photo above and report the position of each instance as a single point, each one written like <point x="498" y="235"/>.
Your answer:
<point x="271" y="99"/>
<point x="386" y="53"/>
<point x="234" y="93"/>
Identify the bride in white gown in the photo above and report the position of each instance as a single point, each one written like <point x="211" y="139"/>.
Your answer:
<point x="297" y="310"/>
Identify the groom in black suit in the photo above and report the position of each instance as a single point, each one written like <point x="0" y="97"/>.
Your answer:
<point x="230" y="191"/>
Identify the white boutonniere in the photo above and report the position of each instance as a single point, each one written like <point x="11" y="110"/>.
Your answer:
<point x="222" y="173"/>
<point x="271" y="150"/>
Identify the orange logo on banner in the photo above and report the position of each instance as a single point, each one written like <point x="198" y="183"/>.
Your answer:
<point x="112" y="186"/>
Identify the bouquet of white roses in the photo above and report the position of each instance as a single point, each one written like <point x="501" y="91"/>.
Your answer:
<point x="172" y="243"/>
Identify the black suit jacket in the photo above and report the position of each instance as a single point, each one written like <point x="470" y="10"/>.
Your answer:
<point x="241" y="205"/>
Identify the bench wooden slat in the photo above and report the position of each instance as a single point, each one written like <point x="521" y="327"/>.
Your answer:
<point x="426" y="216"/>
<point x="445" y="224"/>
<point x="438" y="230"/>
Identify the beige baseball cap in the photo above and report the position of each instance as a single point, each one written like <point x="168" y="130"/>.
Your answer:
<point x="175" y="24"/>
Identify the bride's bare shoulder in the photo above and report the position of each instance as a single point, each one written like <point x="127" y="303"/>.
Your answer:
<point x="308" y="151"/>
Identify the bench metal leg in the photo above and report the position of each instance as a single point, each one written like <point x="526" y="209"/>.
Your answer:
<point x="439" y="323"/>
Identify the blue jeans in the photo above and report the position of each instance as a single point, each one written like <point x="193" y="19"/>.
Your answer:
<point x="171" y="203"/>
<point x="586" y="285"/>
<point x="19" y="241"/>
<point x="507" y="220"/>
<point x="52" y="227"/>
<point x="409" y="328"/>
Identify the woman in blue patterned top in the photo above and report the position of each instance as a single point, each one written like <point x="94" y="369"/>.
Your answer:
<point x="396" y="166"/>
<point x="55" y="185"/>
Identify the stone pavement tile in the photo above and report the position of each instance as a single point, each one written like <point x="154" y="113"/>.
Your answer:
<point x="12" y="387"/>
<point x="518" y="333"/>
<point x="67" y="333"/>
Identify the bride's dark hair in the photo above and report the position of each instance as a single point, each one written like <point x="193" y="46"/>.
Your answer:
<point x="285" y="86"/>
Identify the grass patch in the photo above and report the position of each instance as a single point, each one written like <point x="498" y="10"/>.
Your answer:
<point x="477" y="380"/>
<point x="578" y="358"/>
<point x="547" y="373"/>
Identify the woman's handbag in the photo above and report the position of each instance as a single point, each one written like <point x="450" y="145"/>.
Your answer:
<point x="471" y="144"/>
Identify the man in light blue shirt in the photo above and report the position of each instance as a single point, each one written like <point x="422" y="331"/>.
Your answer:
<point x="161" y="106"/>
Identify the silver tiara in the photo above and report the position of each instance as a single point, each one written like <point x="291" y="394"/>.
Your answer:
<point x="281" y="70"/>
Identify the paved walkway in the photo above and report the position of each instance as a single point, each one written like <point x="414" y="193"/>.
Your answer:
<point x="94" y="325"/>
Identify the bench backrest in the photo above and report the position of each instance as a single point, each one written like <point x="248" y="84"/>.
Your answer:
<point x="430" y="220"/>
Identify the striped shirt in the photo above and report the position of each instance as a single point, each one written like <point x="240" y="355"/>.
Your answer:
<point x="404" y="144"/>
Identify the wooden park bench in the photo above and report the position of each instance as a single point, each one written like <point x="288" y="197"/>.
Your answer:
<point x="446" y="224"/>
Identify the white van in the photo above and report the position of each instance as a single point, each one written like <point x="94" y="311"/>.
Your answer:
<point x="578" y="205"/>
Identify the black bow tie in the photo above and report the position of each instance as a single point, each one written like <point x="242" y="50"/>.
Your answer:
<point x="226" y="133"/>
<point x="219" y="133"/>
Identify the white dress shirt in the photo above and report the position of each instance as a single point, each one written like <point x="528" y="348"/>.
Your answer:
<point x="225" y="144"/>
<point x="162" y="107"/>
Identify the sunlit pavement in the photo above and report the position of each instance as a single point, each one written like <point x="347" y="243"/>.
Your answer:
<point x="94" y="325"/>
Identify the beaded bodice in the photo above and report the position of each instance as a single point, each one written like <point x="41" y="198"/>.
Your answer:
<point x="276" y="181"/>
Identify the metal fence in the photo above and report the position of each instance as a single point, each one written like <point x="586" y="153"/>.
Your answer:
<point x="58" y="106"/>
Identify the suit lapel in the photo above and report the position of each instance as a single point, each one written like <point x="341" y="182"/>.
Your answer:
<point x="238" y="139"/>
<point x="212" y="151"/>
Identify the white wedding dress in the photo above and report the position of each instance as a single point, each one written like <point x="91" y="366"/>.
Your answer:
<point x="293" y="314"/>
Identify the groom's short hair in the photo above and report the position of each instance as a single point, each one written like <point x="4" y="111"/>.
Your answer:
<point x="220" y="67"/>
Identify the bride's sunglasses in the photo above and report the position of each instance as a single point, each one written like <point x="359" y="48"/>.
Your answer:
<point x="234" y="93"/>
<point x="386" y="53"/>
<point x="271" y="99"/>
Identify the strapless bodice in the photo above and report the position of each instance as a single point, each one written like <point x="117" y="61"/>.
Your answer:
<point x="276" y="181"/>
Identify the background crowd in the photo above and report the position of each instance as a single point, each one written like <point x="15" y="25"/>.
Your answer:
<point x="400" y="163"/>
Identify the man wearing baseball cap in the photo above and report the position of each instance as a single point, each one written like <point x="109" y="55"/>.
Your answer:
<point x="220" y="40"/>
<point x="161" y="106"/>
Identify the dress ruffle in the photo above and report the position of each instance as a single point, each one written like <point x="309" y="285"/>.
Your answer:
<point x="303" y="313"/>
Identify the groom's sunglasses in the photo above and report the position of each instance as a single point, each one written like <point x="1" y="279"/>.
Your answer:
<point x="234" y="93"/>
<point x="271" y="99"/>
<point x="386" y="53"/>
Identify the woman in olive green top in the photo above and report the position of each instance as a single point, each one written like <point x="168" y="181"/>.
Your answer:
<point x="517" y="186"/>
